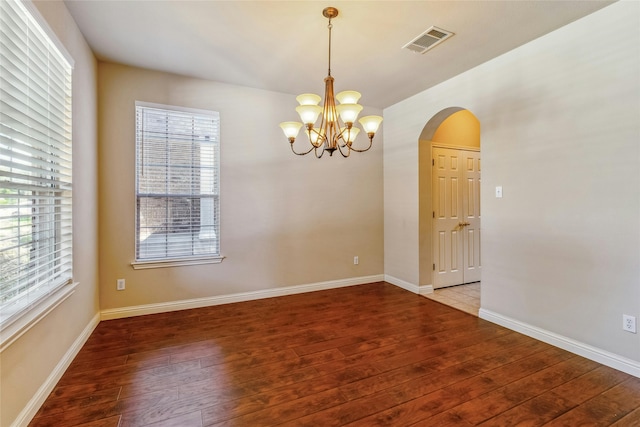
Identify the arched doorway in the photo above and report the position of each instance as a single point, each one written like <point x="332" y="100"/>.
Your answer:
<point x="449" y="174"/>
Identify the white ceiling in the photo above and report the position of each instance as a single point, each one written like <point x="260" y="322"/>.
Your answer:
<point x="282" y="45"/>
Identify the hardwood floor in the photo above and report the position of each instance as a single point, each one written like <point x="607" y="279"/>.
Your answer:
<point x="360" y="356"/>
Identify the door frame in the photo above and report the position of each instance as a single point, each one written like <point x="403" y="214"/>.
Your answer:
<point x="432" y="163"/>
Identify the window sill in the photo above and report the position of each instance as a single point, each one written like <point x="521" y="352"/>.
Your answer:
<point x="141" y="265"/>
<point x="17" y="327"/>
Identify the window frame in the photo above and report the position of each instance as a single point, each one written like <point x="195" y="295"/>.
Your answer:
<point x="39" y="299"/>
<point x="176" y="261"/>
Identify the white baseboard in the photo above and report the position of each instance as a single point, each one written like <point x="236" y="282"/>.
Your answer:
<point x="612" y="360"/>
<point x="402" y="284"/>
<point x="416" y="289"/>
<point x="426" y="289"/>
<point x="139" y="310"/>
<point x="29" y="411"/>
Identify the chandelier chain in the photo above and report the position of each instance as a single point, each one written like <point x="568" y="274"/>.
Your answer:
<point x="330" y="26"/>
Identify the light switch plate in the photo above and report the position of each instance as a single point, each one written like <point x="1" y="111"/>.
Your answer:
<point x="499" y="192"/>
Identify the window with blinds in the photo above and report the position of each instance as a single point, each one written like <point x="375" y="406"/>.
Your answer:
<point x="177" y="183"/>
<point x="35" y="163"/>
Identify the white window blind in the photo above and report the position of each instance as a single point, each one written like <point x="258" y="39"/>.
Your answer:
<point x="35" y="163"/>
<point x="177" y="185"/>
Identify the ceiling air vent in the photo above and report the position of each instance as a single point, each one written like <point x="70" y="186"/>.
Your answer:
<point x="428" y="40"/>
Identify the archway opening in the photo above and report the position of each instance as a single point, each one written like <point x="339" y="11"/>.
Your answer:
<point x="449" y="153"/>
<point x="461" y="128"/>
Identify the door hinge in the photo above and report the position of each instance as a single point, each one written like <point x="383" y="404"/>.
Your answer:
<point x="433" y="214"/>
<point x="434" y="267"/>
<point x="433" y="162"/>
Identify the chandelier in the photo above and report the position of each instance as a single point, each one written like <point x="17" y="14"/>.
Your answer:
<point x="336" y="130"/>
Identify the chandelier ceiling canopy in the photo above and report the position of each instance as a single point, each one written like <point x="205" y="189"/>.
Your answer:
<point x="336" y="130"/>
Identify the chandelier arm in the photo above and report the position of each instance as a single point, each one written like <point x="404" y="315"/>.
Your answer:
<point x="344" y="128"/>
<point x="341" y="146"/>
<point x="322" y="132"/>
<point x="320" y="140"/>
<point x="363" y="150"/>
<point x="301" y="154"/>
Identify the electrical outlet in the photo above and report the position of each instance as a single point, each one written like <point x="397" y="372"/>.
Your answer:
<point x="120" y="284"/>
<point x="355" y="260"/>
<point x="629" y="323"/>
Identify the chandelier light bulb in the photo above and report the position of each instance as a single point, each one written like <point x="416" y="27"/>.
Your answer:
<point x="291" y="129"/>
<point x="308" y="99"/>
<point x="348" y="97"/>
<point x="349" y="135"/>
<point x="349" y="112"/>
<point x="309" y="113"/>
<point x="316" y="136"/>
<point x="370" y="124"/>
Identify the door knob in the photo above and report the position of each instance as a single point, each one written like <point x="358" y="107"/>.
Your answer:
<point x="463" y="224"/>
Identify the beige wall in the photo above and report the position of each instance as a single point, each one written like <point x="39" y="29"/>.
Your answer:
<point x="286" y="220"/>
<point x="560" y="132"/>
<point x="28" y="362"/>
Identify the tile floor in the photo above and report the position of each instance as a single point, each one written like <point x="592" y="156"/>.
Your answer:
<point x="462" y="297"/>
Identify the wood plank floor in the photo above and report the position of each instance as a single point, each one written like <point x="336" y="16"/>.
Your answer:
<point x="370" y="355"/>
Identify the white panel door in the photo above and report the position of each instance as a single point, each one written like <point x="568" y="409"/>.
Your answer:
<point x="448" y="215"/>
<point x="471" y="208"/>
<point x="456" y="217"/>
